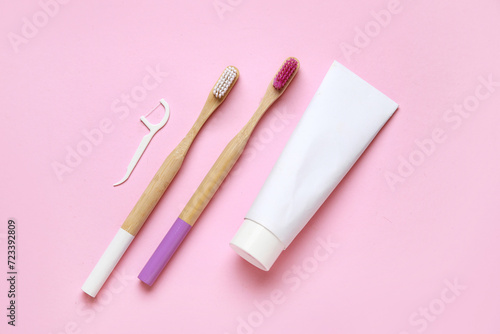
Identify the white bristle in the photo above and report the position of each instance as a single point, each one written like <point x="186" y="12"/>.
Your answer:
<point x="224" y="82"/>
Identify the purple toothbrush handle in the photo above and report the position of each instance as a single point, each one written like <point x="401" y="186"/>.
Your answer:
<point x="164" y="252"/>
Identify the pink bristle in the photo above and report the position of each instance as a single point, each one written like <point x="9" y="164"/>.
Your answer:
<point x="285" y="73"/>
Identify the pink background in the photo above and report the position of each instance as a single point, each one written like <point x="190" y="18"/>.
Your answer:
<point x="398" y="247"/>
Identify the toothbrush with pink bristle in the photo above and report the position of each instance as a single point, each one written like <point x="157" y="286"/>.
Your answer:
<point x="216" y="176"/>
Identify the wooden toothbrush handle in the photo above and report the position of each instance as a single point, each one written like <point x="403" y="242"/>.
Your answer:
<point x="214" y="178"/>
<point x="157" y="186"/>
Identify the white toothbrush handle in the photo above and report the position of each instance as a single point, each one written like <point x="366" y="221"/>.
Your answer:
<point x="107" y="262"/>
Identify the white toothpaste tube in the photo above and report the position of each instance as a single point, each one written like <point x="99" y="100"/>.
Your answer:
<point x="343" y="117"/>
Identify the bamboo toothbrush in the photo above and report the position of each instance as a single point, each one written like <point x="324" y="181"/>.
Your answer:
<point x="215" y="176"/>
<point x="157" y="187"/>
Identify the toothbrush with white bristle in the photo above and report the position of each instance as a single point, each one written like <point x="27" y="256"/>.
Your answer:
<point x="157" y="187"/>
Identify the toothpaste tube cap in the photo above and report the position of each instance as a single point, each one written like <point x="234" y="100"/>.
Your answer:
<point x="257" y="244"/>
